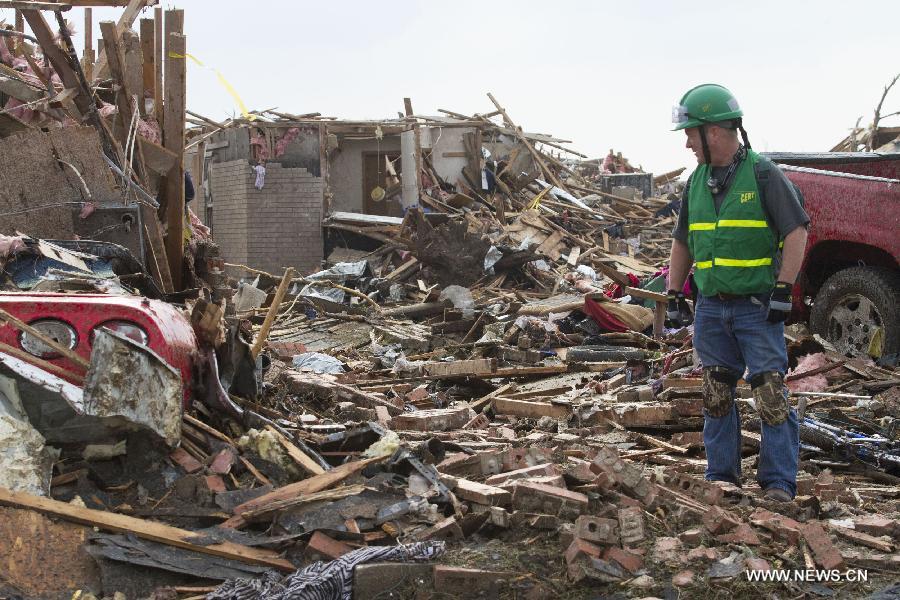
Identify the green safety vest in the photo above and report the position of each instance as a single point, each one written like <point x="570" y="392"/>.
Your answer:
<point x="734" y="249"/>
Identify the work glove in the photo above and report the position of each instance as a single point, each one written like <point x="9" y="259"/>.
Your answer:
<point x="678" y="312"/>
<point x="780" y="302"/>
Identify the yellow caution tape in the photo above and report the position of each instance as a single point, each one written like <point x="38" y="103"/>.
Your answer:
<point x="222" y="81"/>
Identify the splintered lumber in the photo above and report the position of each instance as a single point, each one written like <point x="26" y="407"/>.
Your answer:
<point x="523" y="408"/>
<point x="296" y="454"/>
<point x="39" y="362"/>
<point x="299" y="500"/>
<point x="125" y="21"/>
<point x="263" y="334"/>
<point x="316" y="483"/>
<point x="149" y="530"/>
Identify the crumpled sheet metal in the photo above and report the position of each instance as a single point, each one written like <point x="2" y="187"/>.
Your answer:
<point x="26" y="464"/>
<point x="127" y="379"/>
<point x="324" y="580"/>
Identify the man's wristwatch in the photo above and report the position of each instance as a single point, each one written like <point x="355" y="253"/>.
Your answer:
<point x="780" y="302"/>
<point x="677" y="310"/>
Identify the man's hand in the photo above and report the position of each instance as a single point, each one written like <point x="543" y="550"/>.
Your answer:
<point x="780" y="302"/>
<point x="678" y="311"/>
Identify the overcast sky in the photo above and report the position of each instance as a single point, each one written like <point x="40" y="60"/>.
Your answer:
<point x="602" y="74"/>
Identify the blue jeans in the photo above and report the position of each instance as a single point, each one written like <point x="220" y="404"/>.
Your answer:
<point x="736" y="334"/>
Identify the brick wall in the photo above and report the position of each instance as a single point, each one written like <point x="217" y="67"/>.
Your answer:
<point x="272" y="228"/>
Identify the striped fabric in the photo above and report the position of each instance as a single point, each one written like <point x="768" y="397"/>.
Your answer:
<point x="323" y="581"/>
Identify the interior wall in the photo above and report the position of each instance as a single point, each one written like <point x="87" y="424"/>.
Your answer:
<point x="345" y="170"/>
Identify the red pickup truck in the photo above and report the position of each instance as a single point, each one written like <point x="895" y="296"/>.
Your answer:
<point x="850" y="281"/>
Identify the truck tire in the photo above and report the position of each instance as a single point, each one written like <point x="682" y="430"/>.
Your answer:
<point x="853" y="304"/>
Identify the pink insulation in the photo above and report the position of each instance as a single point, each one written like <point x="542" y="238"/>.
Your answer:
<point x="813" y="383"/>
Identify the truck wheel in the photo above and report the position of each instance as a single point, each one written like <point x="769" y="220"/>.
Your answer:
<point x="853" y="305"/>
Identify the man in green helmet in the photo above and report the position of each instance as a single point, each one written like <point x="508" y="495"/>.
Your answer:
<point x="743" y="228"/>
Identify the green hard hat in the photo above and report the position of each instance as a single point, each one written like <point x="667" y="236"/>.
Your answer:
<point x="707" y="103"/>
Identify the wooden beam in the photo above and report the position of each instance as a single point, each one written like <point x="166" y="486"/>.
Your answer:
<point x="23" y="5"/>
<point x="148" y="63"/>
<point x="39" y="362"/>
<point x="173" y="140"/>
<point x="87" y="57"/>
<point x="134" y="69"/>
<point x="149" y="530"/>
<point x="158" y="61"/>
<point x="272" y="312"/>
<point x="125" y="21"/>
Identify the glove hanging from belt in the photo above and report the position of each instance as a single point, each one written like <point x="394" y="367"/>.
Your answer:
<point x="677" y="311"/>
<point x="780" y="302"/>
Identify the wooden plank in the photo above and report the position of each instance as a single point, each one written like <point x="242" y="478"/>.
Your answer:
<point x="573" y="256"/>
<point x="523" y="408"/>
<point x="548" y="247"/>
<point x="149" y="530"/>
<point x="297" y="455"/>
<point x="39" y="362"/>
<point x="173" y="140"/>
<point x="272" y="312"/>
<point x="148" y="62"/>
<point x="156" y="250"/>
<point x="134" y="69"/>
<point x="158" y="66"/>
<point x="311" y="485"/>
<point x="23" y="5"/>
<point x="156" y="158"/>
<point x="125" y="21"/>
<point x="402" y="269"/>
<point x="647" y="294"/>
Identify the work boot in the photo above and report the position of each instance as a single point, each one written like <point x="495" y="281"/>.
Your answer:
<point x="776" y="494"/>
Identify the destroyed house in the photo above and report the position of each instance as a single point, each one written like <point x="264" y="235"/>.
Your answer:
<point x="269" y="185"/>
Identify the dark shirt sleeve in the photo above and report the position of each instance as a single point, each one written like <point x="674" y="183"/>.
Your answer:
<point x="781" y="201"/>
<point x="680" y="232"/>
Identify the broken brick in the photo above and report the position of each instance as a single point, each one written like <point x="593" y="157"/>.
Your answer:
<point x="185" y="460"/>
<point x="446" y="529"/>
<point x="683" y="578"/>
<point x="437" y="419"/>
<point x="479" y="421"/>
<point x="580" y="549"/>
<point x="876" y="525"/>
<point x="625" y="474"/>
<point x="702" y="553"/>
<point x="631" y="525"/>
<point x="691" y="536"/>
<point x="215" y="484"/>
<point x="717" y="520"/>
<point x="667" y="549"/>
<point x="743" y="534"/>
<point x="597" y="530"/>
<point x="783" y="528"/>
<point x="820" y="544"/>
<point x="629" y="561"/>
<point x="757" y="564"/>
<point x="471" y="580"/>
<point x="540" y="498"/>
<point x="223" y="461"/>
<point x="698" y="489"/>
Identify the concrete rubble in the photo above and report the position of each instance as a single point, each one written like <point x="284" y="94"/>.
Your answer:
<point x="476" y="397"/>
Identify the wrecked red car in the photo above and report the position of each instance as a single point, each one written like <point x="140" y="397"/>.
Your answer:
<point x="73" y="320"/>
